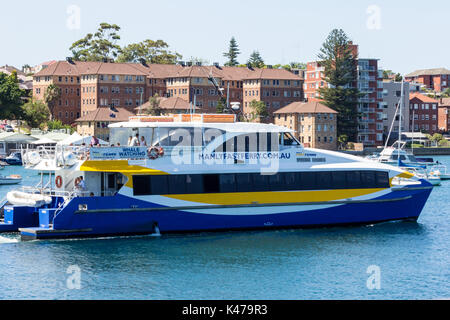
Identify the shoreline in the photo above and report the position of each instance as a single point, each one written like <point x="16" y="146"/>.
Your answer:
<point x="417" y="152"/>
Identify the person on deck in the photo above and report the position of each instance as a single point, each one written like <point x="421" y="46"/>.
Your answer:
<point x="135" y="141"/>
<point x="143" y="142"/>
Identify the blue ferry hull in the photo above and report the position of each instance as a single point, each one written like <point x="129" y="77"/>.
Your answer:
<point x="120" y="215"/>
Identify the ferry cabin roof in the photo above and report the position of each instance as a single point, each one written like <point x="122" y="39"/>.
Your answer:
<point x="239" y="127"/>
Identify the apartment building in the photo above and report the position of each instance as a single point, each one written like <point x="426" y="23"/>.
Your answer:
<point x="423" y="113"/>
<point x="277" y="88"/>
<point x="392" y="92"/>
<point x="86" y="86"/>
<point x="444" y="115"/>
<point x="437" y="79"/>
<point x="370" y="105"/>
<point x="315" y="124"/>
<point x="66" y="77"/>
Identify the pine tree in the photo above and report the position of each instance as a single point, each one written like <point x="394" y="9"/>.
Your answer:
<point x="256" y="61"/>
<point x="341" y="95"/>
<point x="232" y="53"/>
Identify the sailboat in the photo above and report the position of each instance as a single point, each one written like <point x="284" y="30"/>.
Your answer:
<point x="397" y="154"/>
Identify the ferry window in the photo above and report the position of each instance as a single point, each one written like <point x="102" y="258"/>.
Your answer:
<point x="194" y="184"/>
<point x="353" y="179"/>
<point x="323" y="180"/>
<point x="141" y="185"/>
<point x="177" y="184"/>
<point x="159" y="185"/>
<point x="260" y="183"/>
<point x="276" y="182"/>
<point x="339" y="180"/>
<point x="307" y="181"/>
<point x="227" y="183"/>
<point x="111" y="181"/>
<point x="289" y="140"/>
<point x="383" y="179"/>
<point x="292" y="181"/>
<point x="243" y="182"/>
<point x="368" y="179"/>
<point x="211" y="183"/>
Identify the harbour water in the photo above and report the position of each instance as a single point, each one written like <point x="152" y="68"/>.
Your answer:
<point x="413" y="260"/>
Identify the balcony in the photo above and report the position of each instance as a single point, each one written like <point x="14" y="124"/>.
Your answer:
<point x="366" y="68"/>
<point x="366" y="121"/>
<point x="366" y="100"/>
<point x="366" y="131"/>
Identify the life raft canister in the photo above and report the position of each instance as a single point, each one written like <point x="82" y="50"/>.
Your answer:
<point x="58" y="182"/>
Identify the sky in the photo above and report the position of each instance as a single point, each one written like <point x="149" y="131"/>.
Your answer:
<point x="405" y="35"/>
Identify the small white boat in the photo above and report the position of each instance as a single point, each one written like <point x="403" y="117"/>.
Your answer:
<point x="18" y="198"/>
<point x="440" y="171"/>
<point x="423" y="174"/>
<point x="14" y="179"/>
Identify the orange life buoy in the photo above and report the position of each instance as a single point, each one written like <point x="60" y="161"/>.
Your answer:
<point x="152" y="153"/>
<point x="161" y="152"/>
<point x="58" y="182"/>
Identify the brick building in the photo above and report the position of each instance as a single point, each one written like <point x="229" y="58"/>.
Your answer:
<point x="96" y="123"/>
<point x="86" y="86"/>
<point x="315" y="124"/>
<point x="444" y="115"/>
<point x="434" y="79"/>
<point x="277" y="88"/>
<point x="423" y="113"/>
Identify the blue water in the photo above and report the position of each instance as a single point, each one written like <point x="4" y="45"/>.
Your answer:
<point x="296" y="264"/>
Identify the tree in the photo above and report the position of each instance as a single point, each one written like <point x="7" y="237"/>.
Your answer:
<point x="58" y="125"/>
<point x="342" y="139"/>
<point x="446" y="93"/>
<point x="341" y="95"/>
<point x="149" y="51"/>
<point x="232" y="53"/>
<point x="221" y="106"/>
<point x="98" y="46"/>
<point x="255" y="60"/>
<point x="294" y="65"/>
<point x="10" y="96"/>
<point x="398" y="77"/>
<point x="35" y="113"/>
<point x="154" y="108"/>
<point x="51" y="94"/>
<point x="259" y="110"/>
<point x="436" y="138"/>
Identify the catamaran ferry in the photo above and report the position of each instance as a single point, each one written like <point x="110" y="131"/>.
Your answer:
<point x="195" y="173"/>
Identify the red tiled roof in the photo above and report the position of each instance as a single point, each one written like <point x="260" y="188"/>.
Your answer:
<point x="172" y="103"/>
<point x="272" y="74"/>
<point x="107" y="115"/>
<point x="77" y="68"/>
<point x="305" y="107"/>
<point x="161" y="71"/>
<point x="422" y="97"/>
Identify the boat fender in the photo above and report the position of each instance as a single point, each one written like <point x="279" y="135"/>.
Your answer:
<point x="58" y="182"/>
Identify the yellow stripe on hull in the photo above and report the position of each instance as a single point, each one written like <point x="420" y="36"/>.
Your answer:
<point x="273" y="197"/>
<point x="121" y="166"/>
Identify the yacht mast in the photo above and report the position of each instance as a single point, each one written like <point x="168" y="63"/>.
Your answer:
<point x="400" y="122"/>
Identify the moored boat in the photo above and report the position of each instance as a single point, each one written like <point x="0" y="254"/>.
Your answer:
<point x="10" y="180"/>
<point x="209" y="173"/>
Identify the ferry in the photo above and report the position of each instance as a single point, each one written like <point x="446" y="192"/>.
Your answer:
<point x="205" y="173"/>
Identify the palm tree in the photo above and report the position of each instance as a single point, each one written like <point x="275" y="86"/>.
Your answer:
<point x="52" y="93"/>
